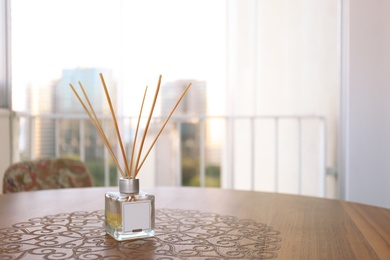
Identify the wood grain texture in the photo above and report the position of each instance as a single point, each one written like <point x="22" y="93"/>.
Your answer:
<point x="310" y="228"/>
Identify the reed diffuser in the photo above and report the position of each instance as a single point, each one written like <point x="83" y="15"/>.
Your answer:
<point x="129" y="213"/>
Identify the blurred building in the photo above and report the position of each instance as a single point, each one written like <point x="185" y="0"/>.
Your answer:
<point x="57" y="98"/>
<point x="181" y="139"/>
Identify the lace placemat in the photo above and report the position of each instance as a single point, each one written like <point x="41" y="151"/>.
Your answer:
<point x="180" y="234"/>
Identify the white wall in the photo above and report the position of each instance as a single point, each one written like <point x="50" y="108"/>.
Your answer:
<point x="366" y="102"/>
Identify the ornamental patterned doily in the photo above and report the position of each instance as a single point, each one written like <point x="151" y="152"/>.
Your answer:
<point x="180" y="234"/>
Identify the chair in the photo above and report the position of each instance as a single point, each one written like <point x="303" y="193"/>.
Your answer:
<point x="46" y="174"/>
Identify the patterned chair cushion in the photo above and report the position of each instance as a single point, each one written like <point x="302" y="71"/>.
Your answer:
<point x="46" y="174"/>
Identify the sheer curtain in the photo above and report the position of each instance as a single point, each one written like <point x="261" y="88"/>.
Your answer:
<point x="283" y="60"/>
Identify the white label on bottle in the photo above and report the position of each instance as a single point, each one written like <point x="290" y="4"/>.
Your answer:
<point x="136" y="216"/>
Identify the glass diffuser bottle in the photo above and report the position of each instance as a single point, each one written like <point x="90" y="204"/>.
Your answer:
<point x="129" y="213"/>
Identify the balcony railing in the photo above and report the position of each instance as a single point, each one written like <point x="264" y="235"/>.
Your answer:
<point x="271" y="153"/>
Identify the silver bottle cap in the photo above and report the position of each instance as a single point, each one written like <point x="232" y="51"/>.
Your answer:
<point x="128" y="185"/>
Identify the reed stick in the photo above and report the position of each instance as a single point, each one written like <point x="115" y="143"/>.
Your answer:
<point x="136" y="131"/>
<point x="147" y="124"/>
<point x="128" y="172"/>
<point x="100" y="130"/>
<point x="116" y="125"/>
<point x="163" y="126"/>
<point x="101" y="133"/>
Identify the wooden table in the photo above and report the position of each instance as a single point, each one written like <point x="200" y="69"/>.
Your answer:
<point x="194" y="223"/>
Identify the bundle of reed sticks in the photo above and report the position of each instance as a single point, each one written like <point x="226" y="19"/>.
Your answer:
<point x="132" y="163"/>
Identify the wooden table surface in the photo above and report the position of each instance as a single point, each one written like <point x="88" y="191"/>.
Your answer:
<point x="214" y="223"/>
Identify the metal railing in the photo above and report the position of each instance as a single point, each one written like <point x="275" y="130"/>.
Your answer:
<point x="232" y="131"/>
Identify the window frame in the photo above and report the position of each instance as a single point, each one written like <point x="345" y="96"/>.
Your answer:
<point x="5" y="57"/>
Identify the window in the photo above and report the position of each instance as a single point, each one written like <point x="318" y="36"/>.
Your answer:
<point x="131" y="43"/>
<point x="263" y="108"/>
